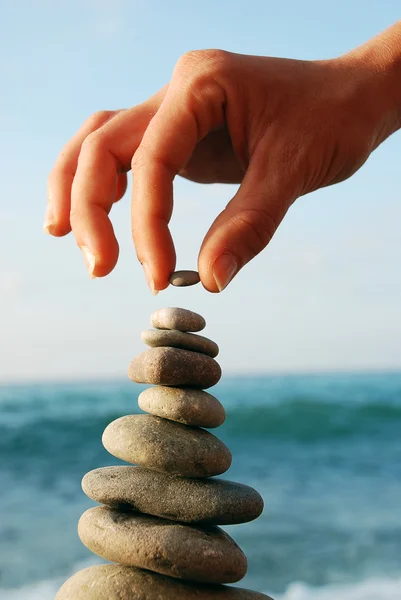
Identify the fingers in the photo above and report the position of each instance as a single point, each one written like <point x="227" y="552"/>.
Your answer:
<point x="248" y="223"/>
<point x="189" y="111"/>
<point x="97" y="180"/>
<point x="57" y="219"/>
<point x="92" y="194"/>
<point x="105" y="155"/>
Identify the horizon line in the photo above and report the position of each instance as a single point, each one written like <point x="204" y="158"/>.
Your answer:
<point x="113" y="378"/>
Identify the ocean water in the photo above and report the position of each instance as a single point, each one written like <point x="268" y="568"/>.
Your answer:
<point x="324" y="451"/>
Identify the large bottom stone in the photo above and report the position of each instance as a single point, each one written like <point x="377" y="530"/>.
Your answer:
<point x="115" y="582"/>
<point x="203" y="501"/>
<point x="206" y="555"/>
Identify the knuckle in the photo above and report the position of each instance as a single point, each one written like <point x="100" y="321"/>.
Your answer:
<point x="188" y="61"/>
<point x="257" y="227"/>
<point x="201" y="78"/>
<point x="100" y="117"/>
<point x="93" y="143"/>
<point x="212" y="61"/>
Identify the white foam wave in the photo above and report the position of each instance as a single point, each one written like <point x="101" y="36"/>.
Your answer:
<point x="43" y="590"/>
<point x="370" y="589"/>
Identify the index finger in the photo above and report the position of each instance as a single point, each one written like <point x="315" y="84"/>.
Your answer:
<point x="188" y="112"/>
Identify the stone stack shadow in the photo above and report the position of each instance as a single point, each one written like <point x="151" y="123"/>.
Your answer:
<point x="159" y="521"/>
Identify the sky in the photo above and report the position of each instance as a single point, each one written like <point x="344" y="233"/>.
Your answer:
<point x="326" y="293"/>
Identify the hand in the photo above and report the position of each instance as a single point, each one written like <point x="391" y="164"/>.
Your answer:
<point x="281" y="128"/>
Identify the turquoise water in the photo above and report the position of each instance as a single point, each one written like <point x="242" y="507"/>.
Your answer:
<point x="324" y="451"/>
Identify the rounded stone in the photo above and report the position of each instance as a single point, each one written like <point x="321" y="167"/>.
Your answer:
<point x="206" y="555"/>
<point x="180" y="339"/>
<point x="116" y="582"/>
<point x="166" y="446"/>
<point x="184" y="278"/>
<point x="174" y="366"/>
<point x="203" y="501"/>
<point x="184" y="405"/>
<point x="177" y="318"/>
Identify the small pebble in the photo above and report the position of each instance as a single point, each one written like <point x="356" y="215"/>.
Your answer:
<point x="206" y="555"/>
<point x="184" y="278"/>
<point x="115" y="582"/>
<point x="210" y="501"/>
<point x="166" y="446"/>
<point x="177" y="318"/>
<point x="184" y="405"/>
<point x="180" y="339"/>
<point x="174" y="366"/>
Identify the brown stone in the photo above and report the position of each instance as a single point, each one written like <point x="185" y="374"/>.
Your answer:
<point x="177" y="318"/>
<point x="206" y="555"/>
<point x="184" y="278"/>
<point x="166" y="446"/>
<point x="115" y="582"/>
<point x="203" y="501"/>
<point x="173" y="366"/>
<point x="184" y="405"/>
<point x="180" y="339"/>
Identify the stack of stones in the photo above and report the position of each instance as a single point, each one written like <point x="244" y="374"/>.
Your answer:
<point x="158" y="522"/>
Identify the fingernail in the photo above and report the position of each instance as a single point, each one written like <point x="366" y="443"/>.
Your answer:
<point x="149" y="279"/>
<point x="47" y="225"/>
<point x="90" y="260"/>
<point x="224" y="269"/>
<point x="49" y="221"/>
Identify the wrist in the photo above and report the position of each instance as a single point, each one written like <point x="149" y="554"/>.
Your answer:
<point x="377" y="68"/>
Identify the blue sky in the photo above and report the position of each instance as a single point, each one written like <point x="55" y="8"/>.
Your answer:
<point x="326" y="294"/>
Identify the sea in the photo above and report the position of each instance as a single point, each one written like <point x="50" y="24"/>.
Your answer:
<point x="323" y="450"/>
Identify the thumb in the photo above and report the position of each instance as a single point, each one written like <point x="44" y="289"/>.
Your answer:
<point x="247" y="224"/>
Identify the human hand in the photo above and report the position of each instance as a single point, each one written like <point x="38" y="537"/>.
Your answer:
<point x="281" y="128"/>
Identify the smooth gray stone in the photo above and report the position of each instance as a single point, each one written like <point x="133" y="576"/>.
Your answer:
<point x="203" y="501"/>
<point x="115" y="582"/>
<point x="174" y="366"/>
<point x="184" y="405"/>
<point x="206" y="555"/>
<point x="166" y="446"/>
<point x="177" y="318"/>
<point x="180" y="339"/>
<point x="184" y="278"/>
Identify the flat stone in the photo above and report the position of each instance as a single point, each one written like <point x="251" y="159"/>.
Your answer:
<point x="180" y="339"/>
<point x="184" y="405"/>
<point x="184" y="278"/>
<point x="115" y="582"/>
<point x="177" y="318"/>
<point x="203" y="501"/>
<point x="166" y="446"/>
<point x="206" y="555"/>
<point x="174" y="366"/>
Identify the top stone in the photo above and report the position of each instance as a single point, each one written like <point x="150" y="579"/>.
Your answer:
<point x="184" y="278"/>
<point x="180" y="319"/>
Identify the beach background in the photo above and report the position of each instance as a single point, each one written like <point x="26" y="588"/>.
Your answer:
<point x="309" y="331"/>
<point x="323" y="450"/>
